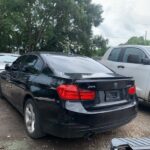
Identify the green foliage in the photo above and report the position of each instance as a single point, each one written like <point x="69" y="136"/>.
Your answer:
<point x="99" y="45"/>
<point x="50" y="25"/>
<point x="138" y="41"/>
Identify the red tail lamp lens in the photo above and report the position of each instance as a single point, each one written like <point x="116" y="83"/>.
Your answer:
<point x="132" y="90"/>
<point x="68" y="92"/>
<point x="87" y="95"/>
<point x="72" y="92"/>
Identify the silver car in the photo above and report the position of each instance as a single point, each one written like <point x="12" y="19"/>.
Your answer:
<point x="7" y="58"/>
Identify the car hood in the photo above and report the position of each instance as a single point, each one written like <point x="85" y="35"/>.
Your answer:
<point x="2" y="66"/>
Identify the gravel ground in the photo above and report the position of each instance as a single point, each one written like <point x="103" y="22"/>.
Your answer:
<point x="13" y="135"/>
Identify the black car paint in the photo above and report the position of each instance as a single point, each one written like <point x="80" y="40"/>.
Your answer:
<point x="64" y="118"/>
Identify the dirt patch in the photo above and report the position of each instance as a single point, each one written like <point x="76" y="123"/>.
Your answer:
<point x="14" y="137"/>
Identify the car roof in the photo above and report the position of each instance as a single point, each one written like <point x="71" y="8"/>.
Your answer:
<point x="9" y="54"/>
<point x="56" y="53"/>
<point x="136" y="46"/>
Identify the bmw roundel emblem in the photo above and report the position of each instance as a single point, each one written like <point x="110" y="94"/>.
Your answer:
<point x="115" y="85"/>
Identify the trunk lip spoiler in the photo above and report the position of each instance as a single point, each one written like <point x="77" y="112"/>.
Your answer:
<point x="104" y="79"/>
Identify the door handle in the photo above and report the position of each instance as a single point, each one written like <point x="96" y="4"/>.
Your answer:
<point x="121" y="67"/>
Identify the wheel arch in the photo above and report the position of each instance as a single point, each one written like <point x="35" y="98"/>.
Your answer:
<point x="27" y="96"/>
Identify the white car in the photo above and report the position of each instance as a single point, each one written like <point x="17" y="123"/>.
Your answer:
<point x="7" y="58"/>
<point x="133" y="61"/>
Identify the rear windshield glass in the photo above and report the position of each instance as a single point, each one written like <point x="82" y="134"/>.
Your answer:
<point x="8" y="58"/>
<point x="75" y="64"/>
<point x="148" y="49"/>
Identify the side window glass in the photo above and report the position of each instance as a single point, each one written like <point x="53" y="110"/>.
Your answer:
<point x="38" y="65"/>
<point x="46" y="71"/>
<point x="115" y="54"/>
<point x="133" y="55"/>
<point x="33" y="64"/>
<point x="16" y="65"/>
<point x="28" y="65"/>
<point x="30" y="61"/>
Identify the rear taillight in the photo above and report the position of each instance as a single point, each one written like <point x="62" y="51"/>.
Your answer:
<point x="72" y="92"/>
<point x="132" y="90"/>
<point x="68" y="92"/>
<point x="87" y="95"/>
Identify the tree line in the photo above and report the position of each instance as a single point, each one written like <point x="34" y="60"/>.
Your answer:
<point x="138" y="41"/>
<point x="51" y="25"/>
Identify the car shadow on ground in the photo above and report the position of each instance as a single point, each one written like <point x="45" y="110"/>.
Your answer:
<point x="99" y="141"/>
<point x="144" y="107"/>
<point x="14" y="125"/>
<point x="13" y="135"/>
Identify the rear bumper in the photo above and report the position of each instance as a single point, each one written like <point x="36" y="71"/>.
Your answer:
<point x="81" y="124"/>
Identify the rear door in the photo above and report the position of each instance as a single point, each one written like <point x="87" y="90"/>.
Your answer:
<point x="113" y="59"/>
<point x="20" y="80"/>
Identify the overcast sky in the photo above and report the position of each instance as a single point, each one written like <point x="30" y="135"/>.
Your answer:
<point x="124" y="19"/>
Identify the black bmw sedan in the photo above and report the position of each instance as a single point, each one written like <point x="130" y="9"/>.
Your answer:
<point x="67" y="96"/>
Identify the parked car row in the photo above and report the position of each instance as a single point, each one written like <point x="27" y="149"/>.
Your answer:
<point x="67" y="95"/>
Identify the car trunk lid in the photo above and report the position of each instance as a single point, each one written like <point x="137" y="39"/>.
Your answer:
<point x="110" y="91"/>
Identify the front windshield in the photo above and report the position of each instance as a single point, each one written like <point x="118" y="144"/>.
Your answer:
<point x="8" y="58"/>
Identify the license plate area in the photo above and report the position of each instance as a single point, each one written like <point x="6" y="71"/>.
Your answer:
<point x="113" y="95"/>
<point x="108" y="98"/>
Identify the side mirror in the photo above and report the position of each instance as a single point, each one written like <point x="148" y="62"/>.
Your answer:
<point x="14" y="68"/>
<point x="134" y="59"/>
<point x="146" y="61"/>
<point x="7" y="67"/>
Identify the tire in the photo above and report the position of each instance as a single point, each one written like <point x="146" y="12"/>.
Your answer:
<point x="1" y="95"/>
<point x="32" y="120"/>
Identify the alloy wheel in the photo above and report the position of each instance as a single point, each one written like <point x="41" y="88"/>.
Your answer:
<point x="30" y="118"/>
